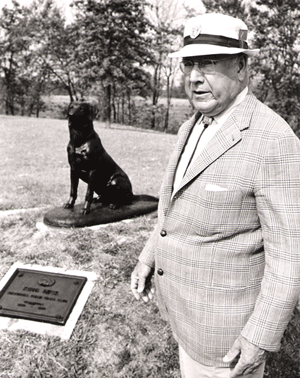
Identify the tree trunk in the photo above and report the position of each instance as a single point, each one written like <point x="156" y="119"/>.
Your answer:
<point x="169" y="97"/>
<point x="129" y="107"/>
<point x="123" y="109"/>
<point x="108" y="106"/>
<point x="166" y="124"/>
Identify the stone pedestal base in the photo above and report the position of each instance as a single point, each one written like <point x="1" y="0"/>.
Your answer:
<point x="67" y="218"/>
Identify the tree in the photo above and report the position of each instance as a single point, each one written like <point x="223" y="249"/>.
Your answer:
<point x="14" y="49"/>
<point x="166" y="17"/>
<point x="277" y="34"/>
<point x="36" y="49"/>
<point x="234" y="8"/>
<point x="54" y="46"/>
<point x="113" y="45"/>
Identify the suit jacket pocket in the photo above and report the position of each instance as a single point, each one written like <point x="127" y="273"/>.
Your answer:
<point x="225" y="213"/>
<point x="219" y="212"/>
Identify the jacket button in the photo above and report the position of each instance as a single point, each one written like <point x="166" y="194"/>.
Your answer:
<point x="160" y="272"/>
<point x="163" y="233"/>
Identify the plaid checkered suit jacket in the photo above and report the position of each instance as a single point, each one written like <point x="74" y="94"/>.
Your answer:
<point x="228" y="241"/>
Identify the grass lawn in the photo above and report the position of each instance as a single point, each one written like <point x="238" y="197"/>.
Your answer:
<point x="115" y="335"/>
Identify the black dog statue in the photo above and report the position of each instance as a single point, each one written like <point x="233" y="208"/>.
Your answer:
<point x="91" y="163"/>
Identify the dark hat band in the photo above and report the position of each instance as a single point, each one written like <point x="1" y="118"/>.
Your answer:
<point x="218" y="40"/>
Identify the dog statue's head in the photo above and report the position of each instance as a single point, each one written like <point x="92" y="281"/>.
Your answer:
<point x="82" y="110"/>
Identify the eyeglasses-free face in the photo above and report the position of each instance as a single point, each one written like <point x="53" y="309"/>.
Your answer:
<point x="204" y="65"/>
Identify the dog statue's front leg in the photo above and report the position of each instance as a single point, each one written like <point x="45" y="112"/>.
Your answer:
<point x="73" y="192"/>
<point x="89" y="194"/>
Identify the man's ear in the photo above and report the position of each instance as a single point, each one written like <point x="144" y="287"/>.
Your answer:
<point x="242" y="67"/>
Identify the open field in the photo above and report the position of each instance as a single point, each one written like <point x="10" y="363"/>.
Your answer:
<point x="180" y="110"/>
<point x="115" y="337"/>
<point x="34" y="167"/>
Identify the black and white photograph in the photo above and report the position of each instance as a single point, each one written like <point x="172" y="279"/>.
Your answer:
<point x="150" y="188"/>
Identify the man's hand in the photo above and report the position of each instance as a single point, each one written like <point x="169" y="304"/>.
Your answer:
<point x="249" y="357"/>
<point x="141" y="282"/>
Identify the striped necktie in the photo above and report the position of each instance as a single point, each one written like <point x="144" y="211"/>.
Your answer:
<point x="206" y="121"/>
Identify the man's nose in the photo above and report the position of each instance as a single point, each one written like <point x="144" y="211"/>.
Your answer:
<point x="196" y="74"/>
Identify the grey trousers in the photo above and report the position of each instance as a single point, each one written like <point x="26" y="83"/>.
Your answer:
<point x="192" y="369"/>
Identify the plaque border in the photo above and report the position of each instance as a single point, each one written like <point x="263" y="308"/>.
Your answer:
<point x="48" y="329"/>
<point x="60" y="319"/>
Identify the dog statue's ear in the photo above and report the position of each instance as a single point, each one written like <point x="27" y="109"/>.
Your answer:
<point x="70" y="108"/>
<point x="93" y="112"/>
<point x="66" y="110"/>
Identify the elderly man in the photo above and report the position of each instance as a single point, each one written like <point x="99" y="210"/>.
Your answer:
<point x="225" y="252"/>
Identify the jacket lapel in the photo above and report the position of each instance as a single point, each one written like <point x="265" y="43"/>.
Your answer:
<point x="228" y="135"/>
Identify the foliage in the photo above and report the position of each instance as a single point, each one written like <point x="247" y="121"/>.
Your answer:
<point x="113" y="46"/>
<point x="114" y="50"/>
<point x="53" y="44"/>
<point x="277" y="34"/>
<point x="234" y="8"/>
<point x="14" y="49"/>
<point x="163" y="15"/>
<point x="31" y="39"/>
<point x="104" y="49"/>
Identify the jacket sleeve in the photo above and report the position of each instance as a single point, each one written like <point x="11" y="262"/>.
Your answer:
<point x="278" y="204"/>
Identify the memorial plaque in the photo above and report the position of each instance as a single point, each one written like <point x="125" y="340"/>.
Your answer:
<point x="40" y="296"/>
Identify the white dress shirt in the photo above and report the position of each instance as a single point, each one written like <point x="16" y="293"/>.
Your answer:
<point x="194" y="142"/>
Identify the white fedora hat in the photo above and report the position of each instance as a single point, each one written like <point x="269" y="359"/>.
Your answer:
<point x="213" y="33"/>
